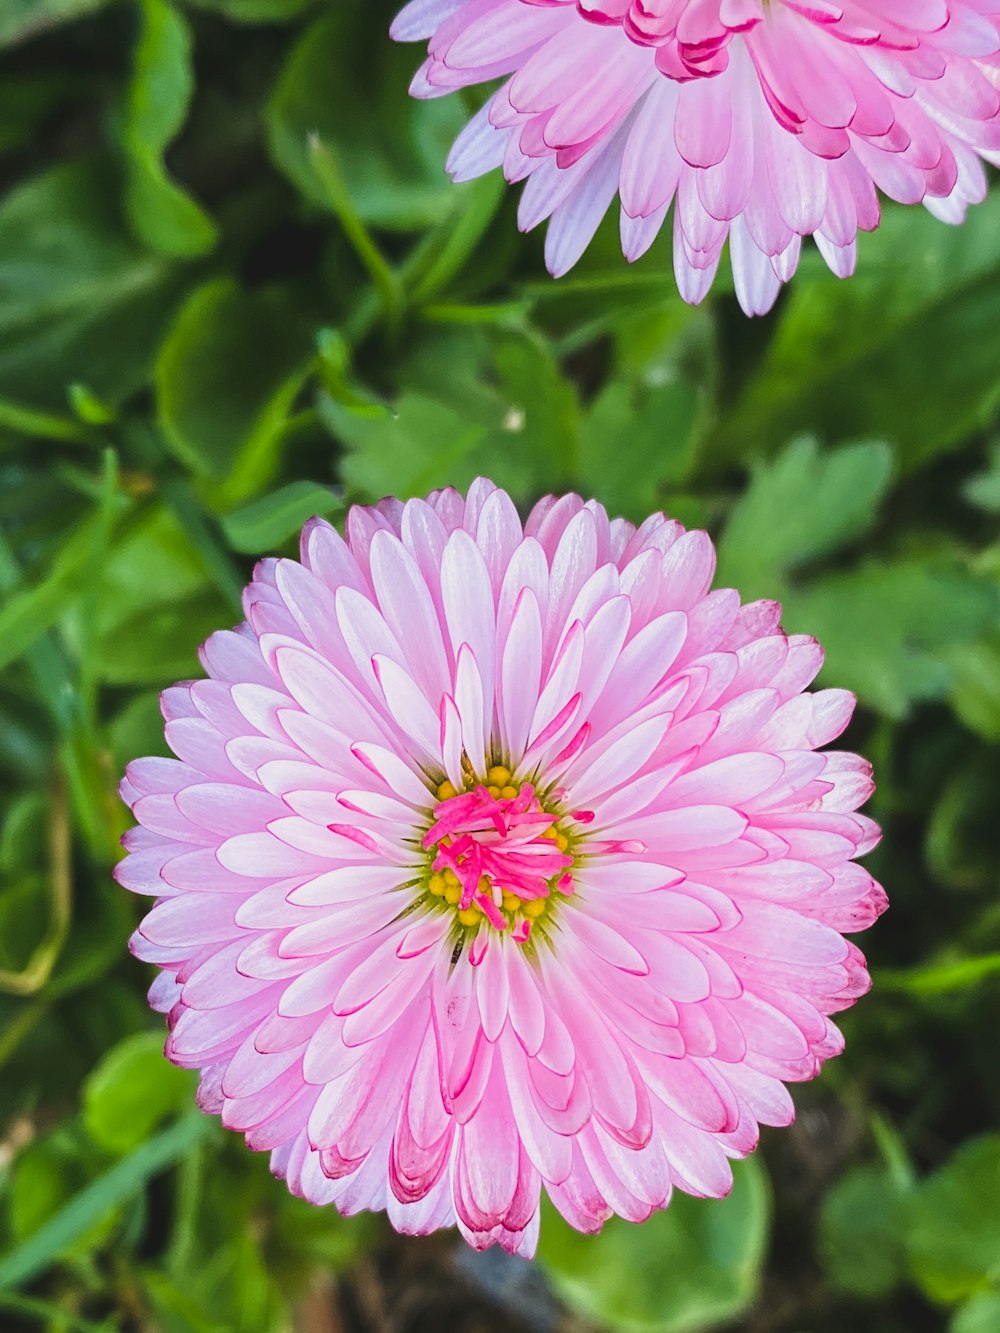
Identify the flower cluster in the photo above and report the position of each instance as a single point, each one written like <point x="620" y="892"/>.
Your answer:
<point x="760" y="121"/>
<point x="497" y="858"/>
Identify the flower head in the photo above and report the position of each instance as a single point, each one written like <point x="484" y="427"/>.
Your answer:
<point x="496" y="858"/>
<point x="760" y="120"/>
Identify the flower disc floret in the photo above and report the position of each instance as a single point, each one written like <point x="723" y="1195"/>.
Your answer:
<point x="498" y="858"/>
<point x="497" y="855"/>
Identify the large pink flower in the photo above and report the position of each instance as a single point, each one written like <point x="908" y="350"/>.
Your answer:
<point x="496" y="858"/>
<point x="761" y="120"/>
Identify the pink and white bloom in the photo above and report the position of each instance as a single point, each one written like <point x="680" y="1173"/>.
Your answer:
<point x="497" y="858"/>
<point x="760" y="120"/>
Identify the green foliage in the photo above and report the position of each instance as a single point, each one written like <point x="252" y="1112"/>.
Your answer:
<point x="953" y="1237"/>
<point x="237" y="290"/>
<point x="694" y="1267"/>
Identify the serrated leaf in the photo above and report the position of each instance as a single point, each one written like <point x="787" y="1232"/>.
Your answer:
<point x="802" y="505"/>
<point x="888" y="630"/>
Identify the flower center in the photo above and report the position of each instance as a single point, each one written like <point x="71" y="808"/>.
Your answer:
<point x="497" y="855"/>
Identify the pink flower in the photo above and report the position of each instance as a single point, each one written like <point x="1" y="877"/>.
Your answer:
<point x="499" y="858"/>
<point x="761" y="120"/>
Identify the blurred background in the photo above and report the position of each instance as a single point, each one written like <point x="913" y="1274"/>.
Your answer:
<point x="236" y="289"/>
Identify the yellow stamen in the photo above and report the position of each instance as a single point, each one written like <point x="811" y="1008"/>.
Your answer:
<point x="450" y="877"/>
<point x="534" y="907"/>
<point x="447" y="790"/>
<point x="511" y="902"/>
<point x="498" y="776"/>
<point x="453" y="893"/>
<point x="468" y="917"/>
<point x="508" y="793"/>
<point x="552" y="833"/>
<point x="562" y="842"/>
<point x="437" y="885"/>
<point x="494" y="791"/>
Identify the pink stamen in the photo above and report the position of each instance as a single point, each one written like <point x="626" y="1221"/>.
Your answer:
<point x="503" y="841"/>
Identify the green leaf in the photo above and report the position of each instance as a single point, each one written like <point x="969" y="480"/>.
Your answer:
<point x="255" y="11"/>
<point x="889" y="630"/>
<point x="953" y="1234"/>
<point x="975" y="686"/>
<point x="26" y="615"/>
<point x="980" y="1315"/>
<point x="423" y="444"/>
<point x="78" y="302"/>
<point x="635" y="443"/>
<point x="100" y="1198"/>
<point x="132" y="1091"/>
<point x="983" y="490"/>
<point x="162" y="215"/>
<point x="694" y="1266"/>
<point x="226" y="379"/>
<point x="902" y="350"/>
<point x="802" y="505"/>
<point x="23" y="18"/>
<point x="266" y="523"/>
<point x="861" y="1232"/>
<point x="394" y="172"/>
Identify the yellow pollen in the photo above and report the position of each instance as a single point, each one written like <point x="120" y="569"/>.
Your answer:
<point x="453" y="893"/>
<point x="450" y="877"/>
<point x="508" y="793"/>
<point x="552" y="833"/>
<point x="511" y="902"/>
<point x="534" y="907"/>
<point x="562" y="842"/>
<point x="498" y="776"/>
<point x="447" y="790"/>
<point x="468" y="917"/>
<point x="437" y="885"/>
<point x="494" y="792"/>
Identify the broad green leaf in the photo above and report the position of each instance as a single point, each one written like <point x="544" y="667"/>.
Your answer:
<point x="980" y="1315"/>
<point x="637" y="443"/>
<point x="888" y="630"/>
<point x="226" y="378"/>
<point x="78" y="301"/>
<point x="692" y="1267"/>
<point x="421" y="445"/>
<point x="394" y="171"/>
<point x="983" y="490"/>
<point x="20" y="19"/>
<point x="975" y="686"/>
<point x="861" y="1232"/>
<point x="266" y="523"/>
<point x="27" y="614"/>
<point x="953" y="1231"/>
<point x="802" y="505"/>
<point x="162" y="215"/>
<point x="902" y="350"/>
<point x="96" y="1201"/>
<point x="130" y="1093"/>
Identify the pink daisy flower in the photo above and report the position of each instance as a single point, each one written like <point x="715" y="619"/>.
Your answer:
<point x="497" y="858"/>
<point x="760" y="120"/>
